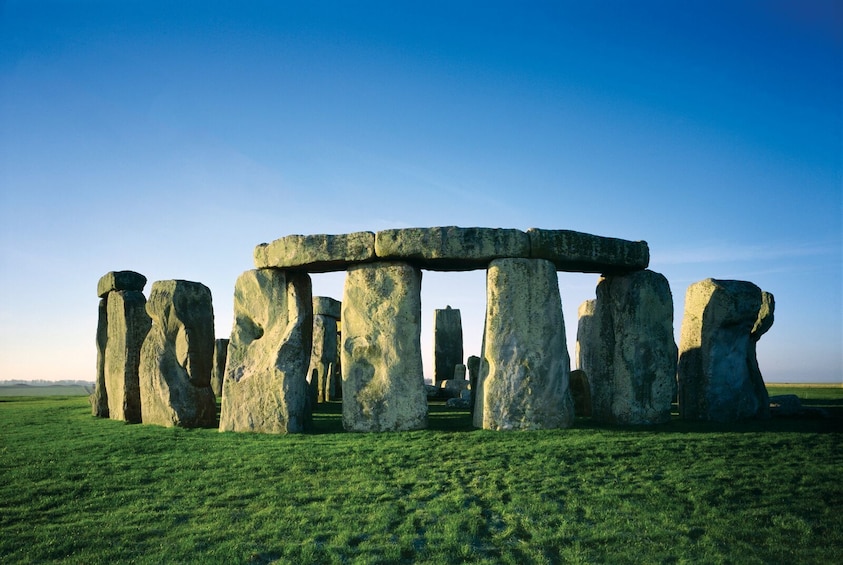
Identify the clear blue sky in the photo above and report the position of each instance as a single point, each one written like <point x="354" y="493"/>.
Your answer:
<point x="172" y="137"/>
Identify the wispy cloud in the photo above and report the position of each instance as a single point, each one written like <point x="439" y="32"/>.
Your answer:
<point x="725" y="253"/>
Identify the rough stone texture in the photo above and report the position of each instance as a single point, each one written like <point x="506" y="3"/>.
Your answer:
<point x="447" y="343"/>
<point x="316" y="253"/>
<point x="581" y="393"/>
<point x="524" y="367"/>
<point x="588" y="332"/>
<point x="718" y="371"/>
<point x="120" y="280"/>
<point x="473" y="365"/>
<point x="218" y="367"/>
<point x="128" y="324"/>
<point x="265" y="385"/>
<point x="582" y="252"/>
<point x="630" y="356"/>
<point x="327" y="306"/>
<point x="177" y="354"/>
<point x="99" y="399"/>
<point x="382" y="377"/>
<point x="323" y="358"/>
<point x="460" y="372"/>
<point x="451" y="248"/>
<point x="452" y="388"/>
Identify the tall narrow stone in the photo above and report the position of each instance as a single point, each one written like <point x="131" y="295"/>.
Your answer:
<point x="323" y="359"/>
<point x="99" y="399"/>
<point x="177" y="354"/>
<point x="265" y="385"/>
<point x="525" y="366"/>
<point x="718" y="371"/>
<point x="383" y="380"/>
<point x="447" y="343"/>
<point x="128" y="324"/>
<point x="218" y="367"/>
<point x="626" y="348"/>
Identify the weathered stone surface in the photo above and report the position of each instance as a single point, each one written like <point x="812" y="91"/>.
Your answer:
<point x="581" y="393"/>
<point x="451" y="248"/>
<point x="473" y="365"/>
<point x="718" y="371"/>
<point x="447" y="343"/>
<point x="327" y="306"/>
<point x="323" y="358"/>
<point x="128" y="324"/>
<point x="316" y="253"/>
<point x="630" y="354"/>
<point x="265" y="385"/>
<point x="460" y="371"/>
<point x="586" y="253"/>
<point x="218" y="367"/>
<point x="588" y="332"/>
<point x="120" y="280"/>
<point x="382" y="378"/>
<point x="99" y="399"/>
<point x="452" y="388"/>
<point x="524" y="367"/>
<point x="176" y="357"/>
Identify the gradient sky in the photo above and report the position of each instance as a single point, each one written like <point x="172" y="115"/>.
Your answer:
<point x="170" y="138"/>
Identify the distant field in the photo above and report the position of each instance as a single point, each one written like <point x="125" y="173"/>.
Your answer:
<point x="77" y="489"/>
<point x="44" y="390"/>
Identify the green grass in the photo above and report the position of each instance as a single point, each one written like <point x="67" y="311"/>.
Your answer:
<point x="78" y="489"/>
<point x="44" y="390"/>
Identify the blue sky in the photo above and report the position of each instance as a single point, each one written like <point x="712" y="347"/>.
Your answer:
<point x="172" y="137"/>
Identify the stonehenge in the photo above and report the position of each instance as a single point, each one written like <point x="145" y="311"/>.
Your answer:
<point x="158" y="361"/>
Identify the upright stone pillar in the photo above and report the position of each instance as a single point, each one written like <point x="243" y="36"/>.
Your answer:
<point x="718" y="371"/>
<point x="177" y="354"/>
<point x="323" y="359"/>
<point x="99" y="399"/>
<point x="382" y="377"/>
<point x="525" y="367"/>
<point x="218" y="368"/>
<point x="629" y="354"/>
<point x="447" y="343"/>
<point x="265" y="385"/>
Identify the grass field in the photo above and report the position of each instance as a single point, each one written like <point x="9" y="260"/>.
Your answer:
<point x="78" y="489"/>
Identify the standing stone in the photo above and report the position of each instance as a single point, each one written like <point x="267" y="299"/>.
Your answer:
<point x="177" y="354"/>
<point x="99" y="399"/>
<point x="473" y="365"/>
<point x="629" y="353"/>
<point x="447" y="343"/>
<point x="581" y="393"/>
<point x="718" y="371"/>
<point x="525" y="367"/>
<point x="323" y="359"/>
<point x="218" y="368"/>
<point x="459" y="373"/>
<point x="128" y="324"/>
<point x="265" y="385"/>
<point x="382" y="375"/>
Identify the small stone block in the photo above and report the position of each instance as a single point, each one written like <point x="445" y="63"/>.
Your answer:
<point x="327" y="306"/>
<point x="120" y="280"/>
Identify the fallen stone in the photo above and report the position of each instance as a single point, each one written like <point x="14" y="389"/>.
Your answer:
<point x="631" y="365"/>
<point x="581" y="393"/>
<point x="176" y="357"/>
<point x="451" y="248"/>
<point x="459" y="402"/>
<point x="265" y="385"/>
<point x="718" y="373"/>
<point x="452" y="388"/>
<point x="581" y="252"/>
<point x="316" y="253"/>
<point x="218" y="367"/>
<point x="128" y="325"/>
<point x="99" y="399"/>
<point x="447" y="343"/>
<point x="382" y="378"/>
<point x="785" y="405"/>
<point x="524" y="368"/>
<point x="120" y="280"/>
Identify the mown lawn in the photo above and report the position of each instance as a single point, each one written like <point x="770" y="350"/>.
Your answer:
<point x="78" y="489"/>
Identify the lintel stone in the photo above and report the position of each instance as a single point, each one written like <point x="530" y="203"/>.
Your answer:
<point x="585" y="253"/>
<point x="316" y="253"/>
<point x="327" y="306"/>
<point x="120" y="280"/>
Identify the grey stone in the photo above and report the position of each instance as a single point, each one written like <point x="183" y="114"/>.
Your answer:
<point x="524" y="367"/>
<point x="785" y="405"/>
<point x="176" y="357"/>
<point x="128" y="324"/>
<point x="218" y="367"/>
<point x="265" y="385"/>
<point x="473" y="364"/>
<point x="316" y="253"/>
<point x="581" y="393"/>
<point x="327" y="306"/>
<point x="99" y="399"/>
<point x="382" y="377"/>
<point x="451" y="248"/>
<point x="631" y="365"/>
<point x="457" y="402"/>
<point x="460" y="371"/>
<point x="452" y="388"/>
<point x="447" y="343"/>
<point x="120" y="280"/>
<point x="323" y="359"/>
<point x="719" y="379"/>
<point x="582" y="252"/>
